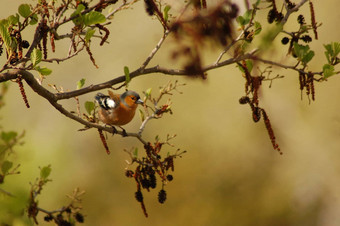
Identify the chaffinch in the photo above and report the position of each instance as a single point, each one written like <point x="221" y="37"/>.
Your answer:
<point x="117" y="110"/>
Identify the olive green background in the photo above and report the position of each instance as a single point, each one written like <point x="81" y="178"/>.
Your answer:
<point x="230" y="175"/>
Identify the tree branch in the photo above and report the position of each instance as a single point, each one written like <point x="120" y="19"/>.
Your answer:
<point x="290" y="11"/>
<point x="154" y="51"/>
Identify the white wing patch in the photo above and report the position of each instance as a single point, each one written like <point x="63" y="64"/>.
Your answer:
<point x="110" y="103"/>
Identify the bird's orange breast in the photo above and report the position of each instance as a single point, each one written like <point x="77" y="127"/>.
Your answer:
<point x="117" y="117"/>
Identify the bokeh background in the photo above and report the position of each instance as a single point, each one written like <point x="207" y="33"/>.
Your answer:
<point x="230" y="174"/>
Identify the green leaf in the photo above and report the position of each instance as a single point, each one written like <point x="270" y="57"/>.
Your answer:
<point x="240" y="20"/>
<point x="332" y="52"/>
<point x="300" y="50"/>
<point x="258" y="28"/>
<point x="8" y="136"/>
<point x="166" y="12"/>
<point x="89" y="107"/>
<point x="13" y="20"/>
<point x="247" y="15"/>
<point x="141" y="115"/>
<point x="34" y="19"/>
<point x="6" y="166"/>
<point x="81" y="83"/>
<point x="36" y="57"/>
<point x="45" y="172"/>
<point x="249" y="65"/>
<point x="127" y="75"/>
<point x="6" y="36"/>
<point x="148" y="93"/>
<point x="336" y="48"/>
<point x="43" y="70"/>
<point x="24" y="10"/>
<point x="79" y="19"/>
<point x="303" y="53"/>
<point x="135" y="153"/>
<point x="308" y="57"/>
<point x="89" y="33"/>
<point x="245" y="19"/>
<point x="257" y="3"/>
<point x="94" y="17"/>
<point x="328" y="70"/>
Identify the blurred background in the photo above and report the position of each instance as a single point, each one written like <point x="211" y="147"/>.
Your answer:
<point x="230" y="174"/>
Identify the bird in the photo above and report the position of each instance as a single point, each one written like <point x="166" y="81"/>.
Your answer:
<point x="117" y="110"/>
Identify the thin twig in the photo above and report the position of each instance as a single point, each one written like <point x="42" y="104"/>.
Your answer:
<point x="6" y="192"/>
<point x="124" y="5"/>
<point x="154" y="51"/>
<point x="58" y="60"/>
<point x="142" y="127"/>
<point x="290" y="11"/>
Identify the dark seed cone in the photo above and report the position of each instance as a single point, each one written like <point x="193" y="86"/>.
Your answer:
<point x="162" y="196"/>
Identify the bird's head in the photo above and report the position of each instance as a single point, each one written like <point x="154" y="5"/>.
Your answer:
<point x="131" y="99"/>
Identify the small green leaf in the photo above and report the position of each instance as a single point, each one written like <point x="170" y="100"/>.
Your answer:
<point x="249" y="65"/>
<point x="336" y="47"/>
<point x="79" y="19"/>
<point x="303" y="53"/>
<point x="308" y="57"/>
<point x="6" y="166"/>
<point x="148" y="93"/>
<point x="45" y="172"/>
<point x="89" y="33"/>
<point x="89" y="107"/>
<point x="6" y="36"/>
<point x="300" y="50"/>
<point x="329" y="49"/>
<point x="240" y="20"/>
<point x="36" y="57"/>
<point x="8" y="136"/>
<point x="141" y="115"/>
<point x="13" y="20"/>
<point x="127" y="75"/>
<point x="135" y="153"/>
<point x="94" y="17"/>
<point x="258" y="28"/>
<point x="34" y="19"/>
<point x="332" y="52"/>
<point x="245" y="19"/>
<point x="81" y="83"/>
<point x="328" y="70"/>
<point x="43" y="70"/>
<point x="247" y="15"/>
<point x="24" y="10"/>
<point x="166" y="12"/>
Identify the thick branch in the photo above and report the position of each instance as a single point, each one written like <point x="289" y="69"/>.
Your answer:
<point x="52" y="98"/>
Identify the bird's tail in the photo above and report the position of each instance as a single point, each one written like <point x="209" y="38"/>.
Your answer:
<point x="101" y="100"/>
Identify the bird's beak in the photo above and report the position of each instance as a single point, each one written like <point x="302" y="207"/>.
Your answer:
<point x="139" y="101"/>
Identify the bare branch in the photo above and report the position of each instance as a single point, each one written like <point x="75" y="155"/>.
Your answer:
<point x="124" y="5"/>
<point x="290" y="11"/>
<point x="58" y="60"/>
<point x="154" y="51"/>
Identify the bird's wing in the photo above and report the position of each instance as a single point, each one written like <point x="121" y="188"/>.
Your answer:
<point x="113" y="96"/>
